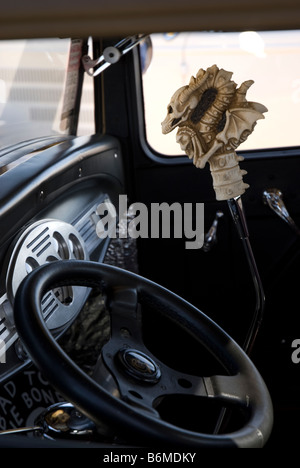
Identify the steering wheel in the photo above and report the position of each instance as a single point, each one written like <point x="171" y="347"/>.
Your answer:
<point x="142" y="379"/>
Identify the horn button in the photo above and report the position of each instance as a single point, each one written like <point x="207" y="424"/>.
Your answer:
<point x="139" y="366"/>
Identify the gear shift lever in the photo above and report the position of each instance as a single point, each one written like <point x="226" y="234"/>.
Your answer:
<point x="213" y="118"/>
<point x="238" y="215"/>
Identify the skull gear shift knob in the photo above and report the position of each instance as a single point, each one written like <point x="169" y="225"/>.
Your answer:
<point x="213" y="118"/>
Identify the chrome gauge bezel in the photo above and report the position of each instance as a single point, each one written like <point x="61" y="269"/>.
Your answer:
<point x="42" y="242"/>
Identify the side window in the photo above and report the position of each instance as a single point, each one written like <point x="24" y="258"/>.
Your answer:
<point x="271" y="59"/>
<point x="34" y="87"/>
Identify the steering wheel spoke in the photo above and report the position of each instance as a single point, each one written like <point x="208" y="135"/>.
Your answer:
<point x="125" y="312"/>
<point x="229" y="390"/>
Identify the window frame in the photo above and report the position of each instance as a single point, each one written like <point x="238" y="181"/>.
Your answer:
<point x="180" y="158"/>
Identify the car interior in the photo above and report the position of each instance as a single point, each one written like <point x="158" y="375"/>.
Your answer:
<point x="144" y="302"/>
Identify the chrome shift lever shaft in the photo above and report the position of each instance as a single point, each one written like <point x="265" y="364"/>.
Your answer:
<point x="238" y="216"/>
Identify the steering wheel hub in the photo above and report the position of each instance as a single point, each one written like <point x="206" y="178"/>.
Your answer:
<point x="139" y="366"/>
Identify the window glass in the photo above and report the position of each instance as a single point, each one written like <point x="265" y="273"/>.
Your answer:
<point x="86" y="122"/>
<point x="271" y="59"/>
<point x="33" y="89"/>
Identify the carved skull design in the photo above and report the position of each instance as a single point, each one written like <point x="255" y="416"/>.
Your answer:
<point x="213" y="118"/>
<point x="178" y="109"/>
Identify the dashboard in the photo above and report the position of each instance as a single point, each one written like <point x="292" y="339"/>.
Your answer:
<point x="50" y="191"/>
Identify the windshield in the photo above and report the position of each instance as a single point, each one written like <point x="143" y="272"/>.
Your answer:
<point x="38" y="82"/>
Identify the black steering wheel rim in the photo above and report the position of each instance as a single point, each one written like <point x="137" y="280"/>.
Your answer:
<point x="97" y="403"/>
